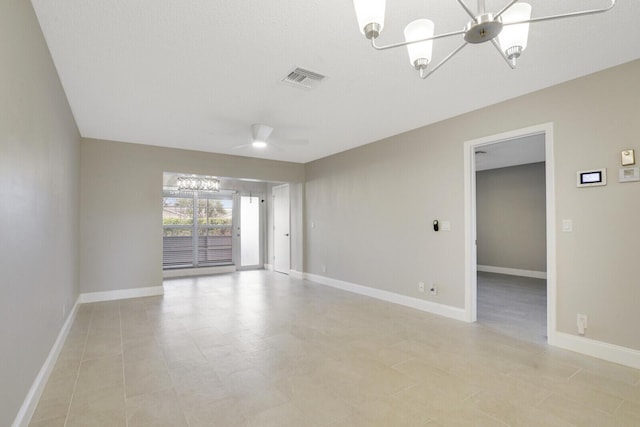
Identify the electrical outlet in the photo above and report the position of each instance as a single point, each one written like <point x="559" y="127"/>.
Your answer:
<point x="421" y="286"/>
<point x="433" y="289"/>
<point x="324" y="268"/>
<point x="582" y="323"/>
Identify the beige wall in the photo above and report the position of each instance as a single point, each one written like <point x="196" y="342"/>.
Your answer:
<point x="511" y="217"/>
<point x="373" y="206"/>
<point x="120" y="199"/>
<point x="39" y="170"/>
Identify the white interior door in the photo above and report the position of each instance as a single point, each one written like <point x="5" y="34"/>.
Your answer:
<point x="281" y="237"/>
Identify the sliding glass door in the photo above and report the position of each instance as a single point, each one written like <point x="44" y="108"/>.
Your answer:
<point x="197" y="229"/>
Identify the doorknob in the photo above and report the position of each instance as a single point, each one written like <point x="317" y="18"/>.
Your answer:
<point x="287" y="234"/>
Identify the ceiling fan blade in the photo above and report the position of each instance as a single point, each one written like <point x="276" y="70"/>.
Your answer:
<point x="291" y="141"/>
<point x="260" y="132"/>
<point x="275" y="147"/>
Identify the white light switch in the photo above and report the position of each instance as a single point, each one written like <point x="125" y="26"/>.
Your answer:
<point x="446" y="225"/>
<point x="567" y="225"/>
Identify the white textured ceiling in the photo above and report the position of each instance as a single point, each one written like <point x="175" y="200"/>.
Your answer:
<point x="196" y="74"/>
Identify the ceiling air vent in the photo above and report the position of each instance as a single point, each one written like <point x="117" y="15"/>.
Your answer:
<point x="302" y="78"/>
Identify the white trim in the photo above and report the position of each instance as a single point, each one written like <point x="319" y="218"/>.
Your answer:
<point x="35" y="392"/>
<point x="419" y="304"/>
<point x="470" y="218"/>
<point x="200" y="271"/>
<point x="121" y="294"/>
<point x="296" y="274"/>
<point x="601" y="350"/>
<point x="513" y="271"/>
<point x="268" y="267"/>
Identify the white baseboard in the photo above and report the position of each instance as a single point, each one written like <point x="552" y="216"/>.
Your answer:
<point x="419" y="304"/>
<point x="35" y="392"/>
<point x="268" y="267"/>
<point x="513" y="271"/>
<point x="121" y="294"/>
<point x="190" y="272"/>
<point x="601" y="350"/>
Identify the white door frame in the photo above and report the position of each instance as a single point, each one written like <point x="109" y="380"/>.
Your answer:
<point x="471" y="284"/>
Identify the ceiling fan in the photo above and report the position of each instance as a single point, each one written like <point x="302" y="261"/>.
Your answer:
<point x="261" y="138"/>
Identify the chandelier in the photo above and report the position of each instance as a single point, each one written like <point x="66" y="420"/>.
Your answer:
<point x="198" y="183"/>
<point x="507" y="30"/>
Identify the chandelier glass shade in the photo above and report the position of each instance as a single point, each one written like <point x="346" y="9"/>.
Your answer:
<point x="198" y="183"/>
<point x="513" y="38"/>
<point x="370" y="14"/>
<point x="507" y="29"/>
<point x="420" y="52"/>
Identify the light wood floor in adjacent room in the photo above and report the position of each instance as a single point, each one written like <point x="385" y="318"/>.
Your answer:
<point x="513" y="305"/>
<point x="262" y="349"/>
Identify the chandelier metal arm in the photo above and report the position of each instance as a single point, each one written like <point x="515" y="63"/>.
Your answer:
<point x="511" y="3"/>
<point x="565" y="15"/>
<point x="441" y="63"/>
<point x="394" y="45"/>
<point x="469" y="11"/>
<point x="499" y="49"/>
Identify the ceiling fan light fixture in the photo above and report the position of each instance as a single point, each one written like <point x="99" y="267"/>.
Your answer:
<point x="370" y="14"/>
<point x="259" y="144"/>
<point x="513" y="38"/>
<point x="420" y="53"/>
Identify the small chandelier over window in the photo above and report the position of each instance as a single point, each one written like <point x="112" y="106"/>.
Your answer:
<point x="507" y="30"/>
<point x="198" y="183"/>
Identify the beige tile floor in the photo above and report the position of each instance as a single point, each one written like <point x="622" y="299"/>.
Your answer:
<point x="261" y="349"/>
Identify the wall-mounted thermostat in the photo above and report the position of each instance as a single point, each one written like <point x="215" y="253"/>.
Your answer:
<point x="629" y="174"/>
<point x="592" y="178"/>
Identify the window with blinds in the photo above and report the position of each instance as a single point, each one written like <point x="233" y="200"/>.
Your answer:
<point x="196" y="229"/>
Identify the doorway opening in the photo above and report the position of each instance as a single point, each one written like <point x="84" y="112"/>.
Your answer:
<point x="510" y="233"/>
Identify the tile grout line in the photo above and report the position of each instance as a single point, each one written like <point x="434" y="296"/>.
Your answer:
<point x="84" y="349"/>
<point x="549" y="393"/>
<point x="575" y="373"/>
<point x="618" y="408"/>
<point x="490" y="415"/>
<point x="171" y="377"/>
<point x="539" y="404"/>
